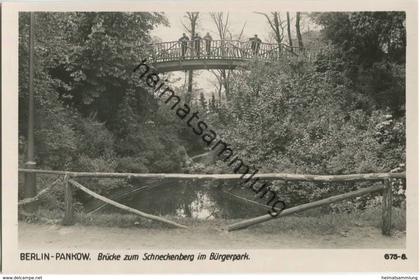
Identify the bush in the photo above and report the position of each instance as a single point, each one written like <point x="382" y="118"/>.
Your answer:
<point x="131" y="164"/>
<point x="291" y="118"/>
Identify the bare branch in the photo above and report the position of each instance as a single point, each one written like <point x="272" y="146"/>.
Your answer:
<point x="186" y="28"/>
<point x="242" y="31"/>
<point x="269" y="20"/>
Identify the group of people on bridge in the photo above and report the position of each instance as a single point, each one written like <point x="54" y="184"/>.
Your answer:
<point x="196" y="40"/>
<point x="196" y="43"/>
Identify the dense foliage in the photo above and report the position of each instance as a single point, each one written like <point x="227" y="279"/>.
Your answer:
<point x="342" y="113"/>
<point x="91" y="113"/>
<point x="370" y="52"/>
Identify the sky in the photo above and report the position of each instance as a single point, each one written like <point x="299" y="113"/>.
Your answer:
<point x="254" y="24"/>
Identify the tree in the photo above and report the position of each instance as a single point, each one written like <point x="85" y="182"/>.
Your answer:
<point x="192" y="18"/>
<point x="203" y="102"/>
<point x="284" y="118"/>
<point x="298" y="33"/>
<point x="277" y="26"/>
<point x="222" y="25"/>
<point x="367" y="36"/>
<point x="92" y="113"/>
<point x="289" y="33"/>
<point x="369" y="50"/>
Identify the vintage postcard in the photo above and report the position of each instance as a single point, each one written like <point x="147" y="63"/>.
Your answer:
<point x="208" y="137"/>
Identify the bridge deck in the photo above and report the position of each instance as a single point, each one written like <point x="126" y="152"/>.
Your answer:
<point x="197" y="64"/>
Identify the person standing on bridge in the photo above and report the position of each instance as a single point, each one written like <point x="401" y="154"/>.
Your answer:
<point x="255" y="44"/>
<point x="184" y="44"/>
<point x="207" y="40"/>
<point x="196" y="42"/>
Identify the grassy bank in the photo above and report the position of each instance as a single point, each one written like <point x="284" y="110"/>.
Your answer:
<point x="305" y="224"/>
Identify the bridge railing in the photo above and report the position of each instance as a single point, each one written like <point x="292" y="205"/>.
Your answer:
<point x="222" y="49"/>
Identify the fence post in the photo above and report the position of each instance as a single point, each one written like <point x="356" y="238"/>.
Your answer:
<point x="387" y="207"/>
<point x="68" y="202"/>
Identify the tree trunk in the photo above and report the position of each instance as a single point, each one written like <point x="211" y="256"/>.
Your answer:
<point x="298" y="34"/>
<point x="225" y="84"/>
<point x="222" y="24"/>
<point x="192" y="17"/>
<point x="279" y="38"/>
<point x="289" y="33"/>
<point x="189" y="89"/>
<point x="30" y="179"/>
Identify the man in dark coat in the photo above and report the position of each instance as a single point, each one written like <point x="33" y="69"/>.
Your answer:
<point x="197" y="41"/>
<point x="255" y="44"/>
<point x="207" y="40"/>
<point x="184" y="44"/>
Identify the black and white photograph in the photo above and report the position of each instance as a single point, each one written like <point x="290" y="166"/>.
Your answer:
<point x="166" y="133"/>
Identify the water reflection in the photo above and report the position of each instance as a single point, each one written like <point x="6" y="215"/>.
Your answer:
<point x="197" y="199"/>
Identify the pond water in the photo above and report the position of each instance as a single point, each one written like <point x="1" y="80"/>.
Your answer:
<point x="200" y="200"/>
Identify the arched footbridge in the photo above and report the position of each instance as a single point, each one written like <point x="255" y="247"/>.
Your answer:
<point x="217" y="54"/>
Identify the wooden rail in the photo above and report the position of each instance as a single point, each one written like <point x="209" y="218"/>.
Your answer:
<point x="121" y="206"/>
<point x="266" y="176"/>
<point x="39" y="195"/>
<point x="303" y="207"/>
<point x="384" y="177"/>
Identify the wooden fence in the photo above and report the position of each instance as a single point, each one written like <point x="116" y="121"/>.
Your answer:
<point x="69" y="179"/>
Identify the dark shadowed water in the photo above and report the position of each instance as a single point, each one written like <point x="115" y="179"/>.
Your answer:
<point x="199" y="199"/>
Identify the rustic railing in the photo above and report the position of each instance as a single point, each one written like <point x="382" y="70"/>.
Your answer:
<point x="223" y="49"/>
<point x="69" y="179"/>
